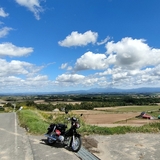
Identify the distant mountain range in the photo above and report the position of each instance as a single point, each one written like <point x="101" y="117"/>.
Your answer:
<point x="116" y="90"/>
<point x="95" y="91"/>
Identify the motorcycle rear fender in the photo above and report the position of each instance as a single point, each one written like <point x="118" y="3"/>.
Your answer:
<point x="51" y="127"/>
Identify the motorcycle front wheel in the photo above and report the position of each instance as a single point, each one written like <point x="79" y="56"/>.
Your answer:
<point x="76" y="144"/>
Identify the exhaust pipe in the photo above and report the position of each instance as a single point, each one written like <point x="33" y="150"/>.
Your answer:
<point x="50" y="137"/>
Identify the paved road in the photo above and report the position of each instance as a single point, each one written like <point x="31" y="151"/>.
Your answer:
<point x="15" y="144"/>
<point x="131" y="146"/>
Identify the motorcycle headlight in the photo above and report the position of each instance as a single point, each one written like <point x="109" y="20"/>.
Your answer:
<point x="77" y="125"/>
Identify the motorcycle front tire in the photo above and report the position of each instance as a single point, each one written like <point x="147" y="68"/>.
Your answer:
<point x="76" y="144"/>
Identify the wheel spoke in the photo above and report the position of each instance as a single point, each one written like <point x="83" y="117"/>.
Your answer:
<point x="76" y="143"/>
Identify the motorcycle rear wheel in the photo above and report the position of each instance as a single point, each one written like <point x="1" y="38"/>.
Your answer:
<point x="76" y="144"/>
<point x="49" y="140"/>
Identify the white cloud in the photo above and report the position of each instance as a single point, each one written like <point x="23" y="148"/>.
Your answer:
<point x="8" y="49"/>
<point x="33" y="5"/>
<point x="3" y="13"/>
<point x="128" y="63"/>
<point x="90" y="81"/>
<point x="4" y="31"/>
<point x="70" y="78"/>
<point x="17" y="68"/>
<point x="20" y="76"/>
<point x="91" y="61"/>
<point x="79" y="39"/>
<point x="133" y="53"/>
<point x="14" y="84"/>
<point x="126" y="78"/>
<point x="64" y="65"/>
<point x="105" y="73"/>
<point x="77" y="80"/>
<point x="38" y="78"/>
<point x="128" y="53"/>
<point x="104" y="41"/>
<point x="69" y="68"/>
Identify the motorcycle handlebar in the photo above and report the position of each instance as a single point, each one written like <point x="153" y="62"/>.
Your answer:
<point x="72" y="118"/>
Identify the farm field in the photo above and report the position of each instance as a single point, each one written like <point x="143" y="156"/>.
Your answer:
<point x="117" y="116"/>
<point x="129" y="108"/>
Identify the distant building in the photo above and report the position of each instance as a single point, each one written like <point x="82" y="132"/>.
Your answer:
<point x="146" y="116"/>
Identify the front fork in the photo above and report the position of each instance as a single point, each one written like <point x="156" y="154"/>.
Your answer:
<point x="69" y="141"/>
<point x="73" y="139"/>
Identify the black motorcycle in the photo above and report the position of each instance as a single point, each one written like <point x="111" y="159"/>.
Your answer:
<point x="57" y="133"/>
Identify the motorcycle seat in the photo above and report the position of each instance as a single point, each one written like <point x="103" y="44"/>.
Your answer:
<point x="60" y="125"/>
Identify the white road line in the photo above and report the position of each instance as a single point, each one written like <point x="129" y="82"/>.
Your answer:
<point x="16" y="150"/>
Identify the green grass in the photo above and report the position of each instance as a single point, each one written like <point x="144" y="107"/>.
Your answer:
<point x="149" y="128"/>
<point x="35" y="123"/>
<point x="136" y="108"/>
<point x="32" y="122"/>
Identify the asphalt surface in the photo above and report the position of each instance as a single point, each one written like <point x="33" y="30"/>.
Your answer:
<point x="131" y="146"/>
<point x="15" y="144"/>
<point x="13" y="141"/>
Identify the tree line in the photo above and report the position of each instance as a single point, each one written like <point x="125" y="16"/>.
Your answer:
<point x="90" y="103"/>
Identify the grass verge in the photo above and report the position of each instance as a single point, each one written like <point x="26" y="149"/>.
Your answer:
<point x="149" y="128"/>
<point x="32" y="122"/>
<point x="35" y="123"/>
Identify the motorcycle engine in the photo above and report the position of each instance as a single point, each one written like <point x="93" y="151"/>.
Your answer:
<point x="61" y="138"/>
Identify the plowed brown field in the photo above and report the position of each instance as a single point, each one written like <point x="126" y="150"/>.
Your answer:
<point x="108" y="119"/>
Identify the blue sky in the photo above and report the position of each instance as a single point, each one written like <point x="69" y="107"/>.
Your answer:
<point x="62" y="45"/>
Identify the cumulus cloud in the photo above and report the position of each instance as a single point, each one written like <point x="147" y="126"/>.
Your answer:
<point x="77" y="80"/>
<point x="14" y="84"/>
<point x="70" y="78"/>
<point x="17" y="68"/>
<point x="4" y="31"/>
<point x="8" y="49"/>
<point x="126" y="78"/>
<point x="91" y="61"/>
<point x="79" y="39"/>
<point x="20" y="76"/>
<point x="3" y="13"/>
<point x="38" y="78"/>
<point x="33" y="5"/>
<point x="127" y="63"/>
<point x="133" y="53"/>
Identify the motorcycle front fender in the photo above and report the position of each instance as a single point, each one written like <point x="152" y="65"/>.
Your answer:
<point x="71" y="132"/>
<point x="77" y="134"/>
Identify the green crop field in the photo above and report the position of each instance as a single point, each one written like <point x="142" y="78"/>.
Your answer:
<point x="133" y="108"/>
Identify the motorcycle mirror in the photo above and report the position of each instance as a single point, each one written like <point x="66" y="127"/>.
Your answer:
<point x="66" y="111"/>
